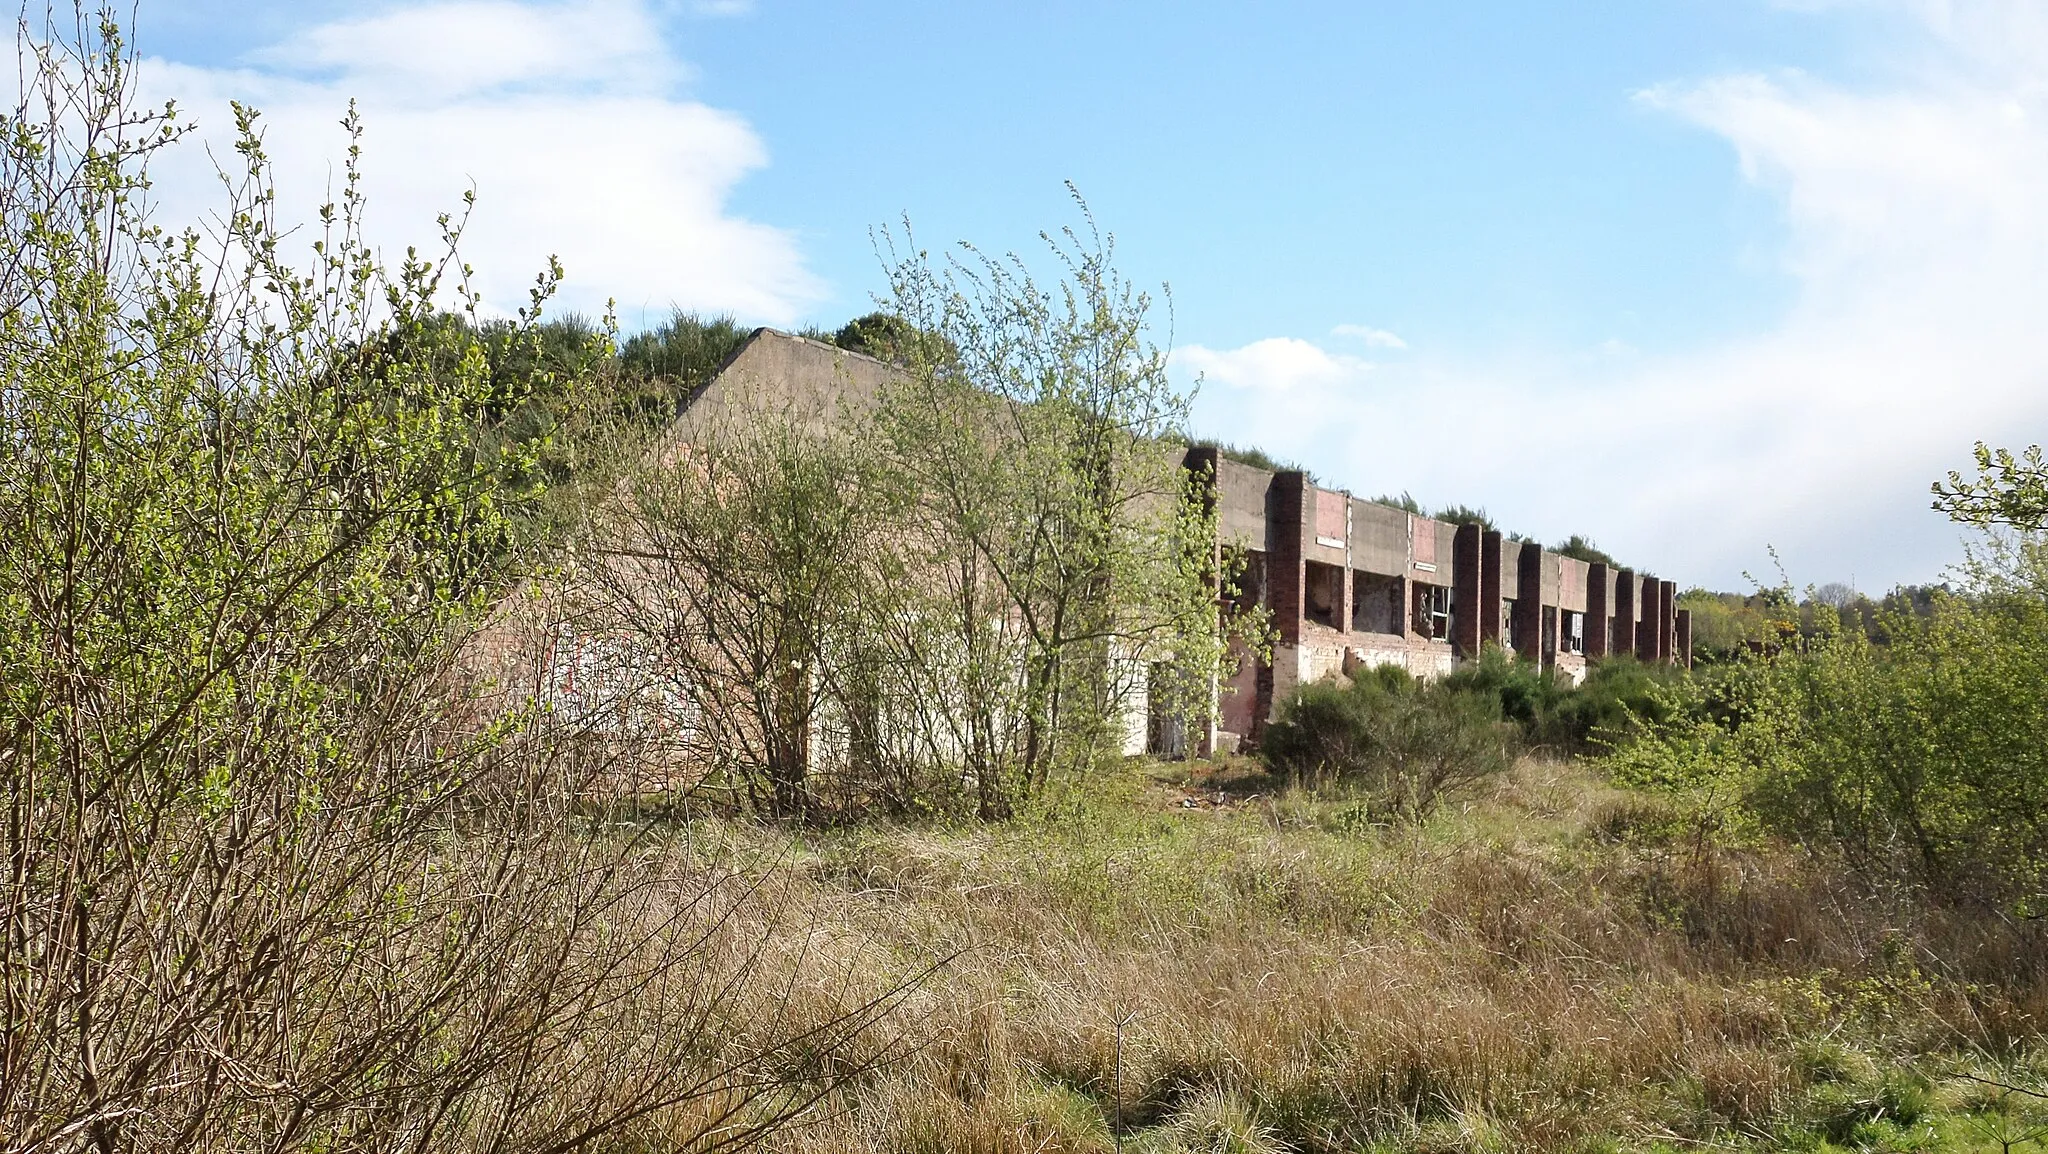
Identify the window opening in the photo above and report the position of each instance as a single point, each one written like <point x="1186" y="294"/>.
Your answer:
<point x="1375" y="603"/>
<point x="1323" y="593"/>
<point x="1572" y="632"/>
<point x="1433" y="611"/>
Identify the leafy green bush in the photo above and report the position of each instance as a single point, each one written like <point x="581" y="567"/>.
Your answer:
<point x="1404" y="744"/>
<point x="1925" y="759"/>
<point x="1922" y="761"/>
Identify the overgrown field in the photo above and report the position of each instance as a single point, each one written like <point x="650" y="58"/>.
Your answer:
<point x="1201" y="962"/>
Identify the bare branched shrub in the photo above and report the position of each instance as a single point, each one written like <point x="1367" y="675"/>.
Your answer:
<point x="272" y="881"/>
<point x="991" y="571"/>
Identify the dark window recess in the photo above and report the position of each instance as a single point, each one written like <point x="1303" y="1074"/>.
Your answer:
<point x="1322" y="594"/>
<point x="1507" y="624"/>
<point x="1375" y="603"/>
<point x="1433" y="611"/>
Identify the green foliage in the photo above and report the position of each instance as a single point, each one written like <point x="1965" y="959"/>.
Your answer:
<point x="683" y="352"/>
<point x="1727" y="625"/>
<point x="244" y="511"/>
<point x="1405" y="502"/>
<point x="1403" y="744"/>
<point x="1617" y="694"/>
<point x="1465" y="515"/>
<point x="280" y="856"/>
<point x="750" y="557"/>
<point x="1582" y="548"/>
<point x="1078" y="528"/>
<point x="883" y="336"/>
<point x="1922" y="761"/>
<point x="2009" y="490"/>
<point x="1926" y="759"/>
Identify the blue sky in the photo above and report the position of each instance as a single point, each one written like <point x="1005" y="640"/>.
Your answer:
<point x="1694" y="277"/>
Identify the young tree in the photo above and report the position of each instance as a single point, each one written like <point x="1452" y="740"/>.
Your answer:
<point x="744" y="558"/>
<point x="1040" y="432"/>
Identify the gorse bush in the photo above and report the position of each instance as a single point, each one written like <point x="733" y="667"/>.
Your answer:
<point x="1405" y="745"/>
<point x="685" y="350"/>
<point x="1617" y="695"/>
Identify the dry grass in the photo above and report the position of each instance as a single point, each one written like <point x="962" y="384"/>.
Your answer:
<point x="1559" y="967"/>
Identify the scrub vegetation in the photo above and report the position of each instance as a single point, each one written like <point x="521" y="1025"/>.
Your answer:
<point x="282" y="876"/>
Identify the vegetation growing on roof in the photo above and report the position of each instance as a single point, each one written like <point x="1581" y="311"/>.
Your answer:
<point x="1465" y="515"/>
<point x="1580" y="547"/>
<point x="883" y="336"/>
<point x="683" y="351"/>
<point x="1251" y="455"/>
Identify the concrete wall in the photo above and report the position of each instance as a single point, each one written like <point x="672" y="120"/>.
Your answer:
<point x="1380" y="539"/>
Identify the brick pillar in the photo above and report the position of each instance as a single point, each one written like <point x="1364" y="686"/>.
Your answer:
<point x="1201" y="465"/>
<point x="1286" y="532"/>
<point x="1685" y="638"/>
<point x="1647" y="600"/>
<point x="1667" y="622"/>
<point x="1466" y="599"/>
<point x="1489" y="587"/>
<point x="1625" y="586"/>
<point x="1529" y="603"/>
<point x="1597" y="614"/>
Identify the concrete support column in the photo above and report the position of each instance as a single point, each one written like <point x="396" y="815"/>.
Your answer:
<point x="1467" y="610"/>
<point x="1489" y="587"/>
<point x="1598" y="615"/>
<point x="1404" y="606"/>
<point x="1667" y="621"/>
<point x="1529" y="604"/>
<point x="1685" y="638"/>
<point x="1347" y="588"/>
<point x="1625" y="586"/>
<point x="1647" y="628"/>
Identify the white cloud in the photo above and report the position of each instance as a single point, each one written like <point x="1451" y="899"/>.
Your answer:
<point x="1918" y="242"/>
<point x="561" y="115"/>
<point x="1278" y="364"/>
<point x="1373" y="338"/>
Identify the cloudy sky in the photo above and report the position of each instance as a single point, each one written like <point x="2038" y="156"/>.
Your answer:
<point x="1693" y="277"/>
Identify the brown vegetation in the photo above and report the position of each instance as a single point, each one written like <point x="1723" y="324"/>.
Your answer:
<point x="1558" y="965"/>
